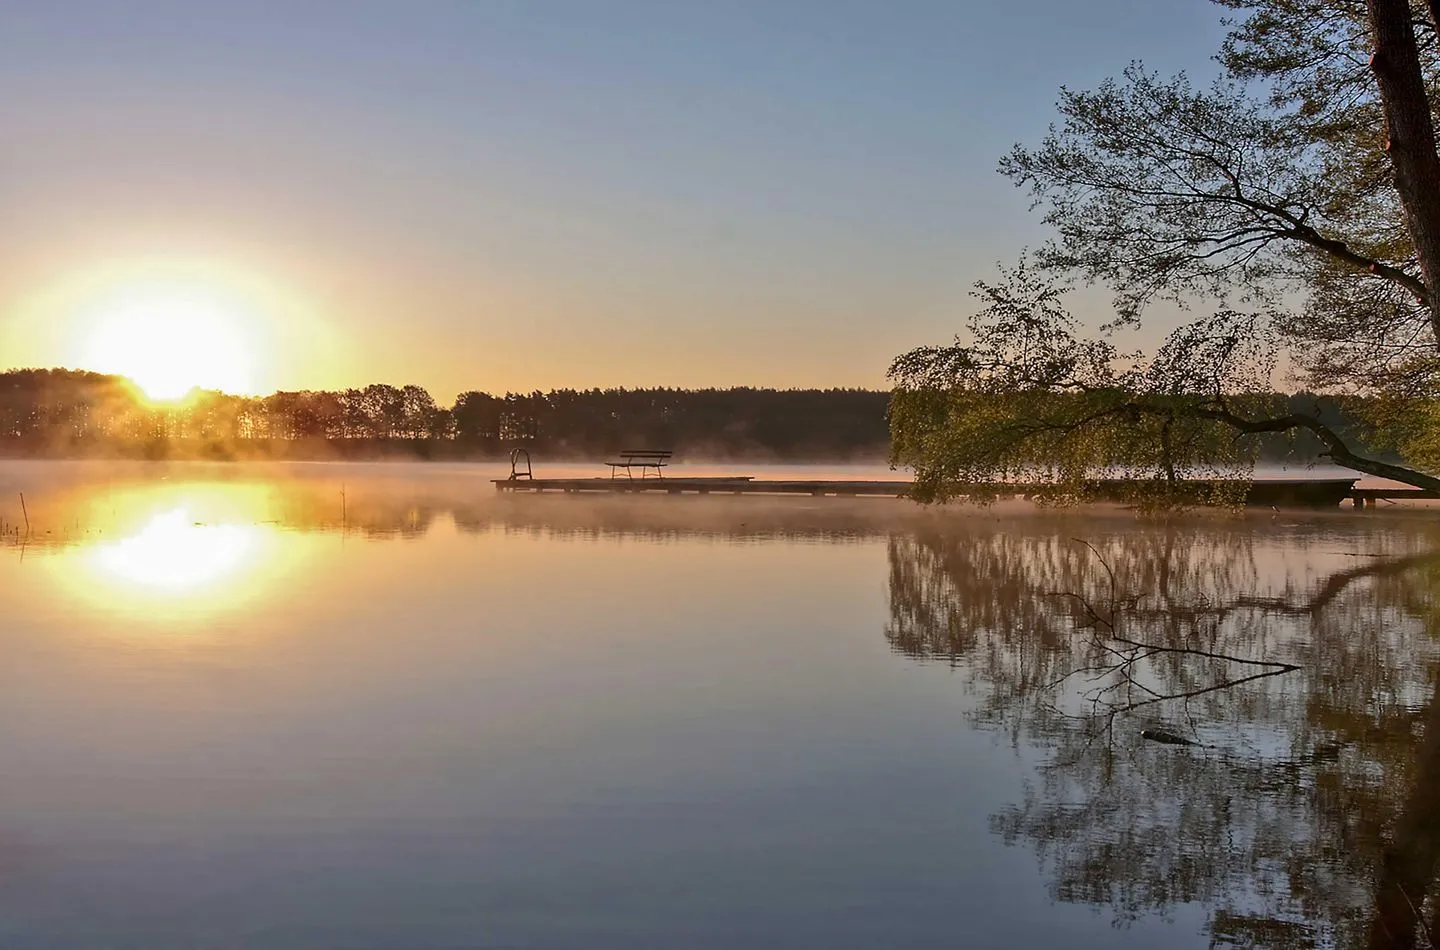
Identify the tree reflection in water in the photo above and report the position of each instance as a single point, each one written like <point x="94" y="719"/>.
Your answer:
<point x="1311" y="814"/>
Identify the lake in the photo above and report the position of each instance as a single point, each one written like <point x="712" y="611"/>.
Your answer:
<point x="379" y="706"/>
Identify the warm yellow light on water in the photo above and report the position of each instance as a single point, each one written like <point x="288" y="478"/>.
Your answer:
<point x="174" y="559"/>
<point x="174" y="554"/>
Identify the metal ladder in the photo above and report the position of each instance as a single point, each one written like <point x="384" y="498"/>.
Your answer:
<point x="516" y="456"/>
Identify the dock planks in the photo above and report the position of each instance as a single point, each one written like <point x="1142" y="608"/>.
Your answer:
<point x="1285" y="493"/>
<point x="1372" y="496"/>
<point x="738" y="485"/>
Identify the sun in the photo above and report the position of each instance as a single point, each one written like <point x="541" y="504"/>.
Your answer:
<point x="171" y="343"/>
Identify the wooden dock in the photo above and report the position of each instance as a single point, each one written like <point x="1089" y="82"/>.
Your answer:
<point x="1279" y="493"/>
<point x="722" y="485"/>
<point x="1373" y="496"/>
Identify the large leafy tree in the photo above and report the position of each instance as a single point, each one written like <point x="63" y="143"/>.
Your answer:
<point x="1296" y="199"/>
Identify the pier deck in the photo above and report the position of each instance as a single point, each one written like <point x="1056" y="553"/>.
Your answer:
<point x="1280" y="493"/>
<point x="733" y="485"/>
<point x="1372" y="496"/>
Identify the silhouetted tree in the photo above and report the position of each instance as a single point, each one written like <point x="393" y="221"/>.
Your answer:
<point x="58" y="411"/>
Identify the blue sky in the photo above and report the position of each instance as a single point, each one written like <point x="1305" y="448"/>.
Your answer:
<point x="508" y="195"/>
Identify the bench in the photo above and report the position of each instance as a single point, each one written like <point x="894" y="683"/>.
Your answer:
<point x="643" y="459"/>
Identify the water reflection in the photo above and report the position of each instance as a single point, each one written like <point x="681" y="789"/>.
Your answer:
<point x="376" y="507"/>
<point x="1309" y="815"/>
<point x="174" y="553"/>
<point x="478" y="706"/>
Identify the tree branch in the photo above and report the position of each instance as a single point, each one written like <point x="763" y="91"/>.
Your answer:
<point x="1338" y="451"/>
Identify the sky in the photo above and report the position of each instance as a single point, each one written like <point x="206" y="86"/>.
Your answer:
<point x="503" y="195"/>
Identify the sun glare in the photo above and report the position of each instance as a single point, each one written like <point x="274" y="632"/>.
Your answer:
<point x="173" y="556"/>
<point x="170" y="345"/>
<point x="172" y="553"/>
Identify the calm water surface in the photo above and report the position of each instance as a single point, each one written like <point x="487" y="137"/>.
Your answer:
<point x="376" y="706"/>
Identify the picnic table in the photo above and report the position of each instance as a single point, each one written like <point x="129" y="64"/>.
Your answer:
<point x="643" y="459"/>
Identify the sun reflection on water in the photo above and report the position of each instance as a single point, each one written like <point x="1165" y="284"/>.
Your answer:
<point x="173" y="557"/>
<point x="174" y="553"/>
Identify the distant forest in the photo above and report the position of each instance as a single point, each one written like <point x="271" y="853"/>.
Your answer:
<point x="56" y="413"/>
<point x="69" y="413"/>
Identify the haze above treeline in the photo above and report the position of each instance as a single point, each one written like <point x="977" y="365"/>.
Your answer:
<point x="60" y="413"/>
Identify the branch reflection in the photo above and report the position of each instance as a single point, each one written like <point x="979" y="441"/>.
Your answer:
<point x="1308" y="814"/>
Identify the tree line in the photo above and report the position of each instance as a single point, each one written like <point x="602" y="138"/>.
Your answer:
<point x="58" y="412"/>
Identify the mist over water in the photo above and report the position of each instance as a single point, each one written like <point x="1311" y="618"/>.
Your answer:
<point x="382" y="706"/>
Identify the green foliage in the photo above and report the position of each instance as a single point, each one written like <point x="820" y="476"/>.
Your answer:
<point x="1161" y="190"/>
<point x="1031" y="400"/>
<point x="1361" y="329"/>
<point x="1409" y="426"/>
<point x="1269" y="186"/>
<point x="1266" y="196"/>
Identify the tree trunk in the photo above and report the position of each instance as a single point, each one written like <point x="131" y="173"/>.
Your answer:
<point x="1411" y="129"/>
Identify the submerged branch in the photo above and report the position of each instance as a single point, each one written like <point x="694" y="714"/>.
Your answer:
<point x="1129" y="653"/>
<point x="1191" y="694"/>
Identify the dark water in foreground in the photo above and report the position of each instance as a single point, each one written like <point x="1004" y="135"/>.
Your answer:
<point x="239" y="708"/>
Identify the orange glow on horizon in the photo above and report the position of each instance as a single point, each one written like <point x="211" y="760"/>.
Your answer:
<point x="169" y="344"/>
<point x="174" y="325"/>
